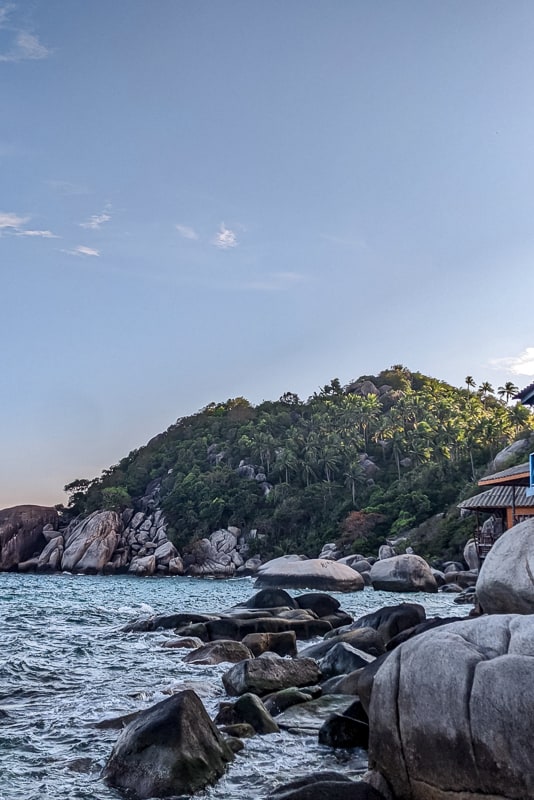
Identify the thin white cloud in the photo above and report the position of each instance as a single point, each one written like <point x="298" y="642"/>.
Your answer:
<point x="275" y="282"/>
<point x="11" y="221"/>
<point x="81" y="250"/>
<point x="225" y="238"/>
<point x="523" y="364"/>
<point x="13" y="225"/>
<point x="42" y="234"/>
<point x="186" y="232"/>
<point x="96" y="221"/>
<point x="25" y="47"/>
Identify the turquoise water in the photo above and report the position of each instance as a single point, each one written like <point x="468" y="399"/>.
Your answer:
<point x="65" y="665"/>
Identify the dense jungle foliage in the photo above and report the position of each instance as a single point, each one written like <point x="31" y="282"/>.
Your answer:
<point x="352" y="464"/>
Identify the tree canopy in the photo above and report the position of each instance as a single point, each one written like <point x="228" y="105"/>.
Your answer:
<point x="397" y="448"/>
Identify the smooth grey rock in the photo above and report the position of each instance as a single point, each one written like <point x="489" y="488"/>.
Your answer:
<point x="505" y="584"/>
<point x="471" y="555"/>
<point x="313" y="573"/>
<point x="403" y="573"/>
<point x="386" y="551"/>
<point x="92" y="543"/>
<point x="342" y="659"/>
<point x="264" y="675"/>
<point x="460" y="725"/>
<point x="219" y="652"/>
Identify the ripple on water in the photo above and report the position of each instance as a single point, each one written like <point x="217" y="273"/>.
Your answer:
<point x="66" y="665"/>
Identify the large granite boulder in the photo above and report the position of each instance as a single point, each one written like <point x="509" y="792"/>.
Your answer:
<point x="21" y="533"/>
<point x="264" y="675"/>
<point x="451" y="712"/>
<point x="172" y="748"/>
<point x="314" y="573"/>
<point x="92" y="543"/>
<point x="406" y="573"/>
<point x="203" y="559"/>
<point x="505" y="584"/>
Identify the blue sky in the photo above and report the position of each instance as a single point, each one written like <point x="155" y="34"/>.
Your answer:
<point x="201" y="199"/>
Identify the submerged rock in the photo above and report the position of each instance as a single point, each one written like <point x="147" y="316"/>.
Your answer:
<point x="172" y="748"/>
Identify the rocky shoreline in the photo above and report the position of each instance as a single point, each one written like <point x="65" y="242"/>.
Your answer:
<point x="443" y="706"/>
<point x="33" y="539"/>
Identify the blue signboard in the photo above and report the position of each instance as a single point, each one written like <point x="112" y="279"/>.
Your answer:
<point x="530" y="490"/>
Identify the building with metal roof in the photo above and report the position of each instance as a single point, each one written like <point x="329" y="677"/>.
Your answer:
<point x="526" y="395"/>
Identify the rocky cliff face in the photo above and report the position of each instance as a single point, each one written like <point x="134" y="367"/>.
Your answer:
<point x="21" y="533"/>
<point x="32" y="539"/>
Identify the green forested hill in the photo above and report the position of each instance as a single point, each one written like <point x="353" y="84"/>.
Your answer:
<point x="297" y="471"/>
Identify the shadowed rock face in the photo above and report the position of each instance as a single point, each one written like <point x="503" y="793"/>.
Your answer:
<point x="451" y="714"/>
<point x="21" y="532"/>
<point x="506" y="581"/>
<point x="172" y="748"/>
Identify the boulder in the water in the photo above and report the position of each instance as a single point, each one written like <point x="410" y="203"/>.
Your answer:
<point x="405" y="573"/>
<point x="314" y="573"/>
<point x="172" y="748"/>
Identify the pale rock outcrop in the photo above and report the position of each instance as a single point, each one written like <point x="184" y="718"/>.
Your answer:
<point x="403" y="573"/>
<point x="143" y="566"/>
<point x="386" y="551"/>
<point x="176" y="566"/>
<point x="471" y="555"/>
<point x="504" y="456"/>
<point x="50" y="558"/>
<point x="314" y="573"/>
<point x="457" y="726"/>
<point x="164" y="552"/>
<point x="21" y="533"/>
<point x="505" y="584"/>
<point x="90" y="545"/>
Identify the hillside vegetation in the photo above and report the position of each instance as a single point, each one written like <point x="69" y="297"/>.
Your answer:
<point x="352" y="464"/>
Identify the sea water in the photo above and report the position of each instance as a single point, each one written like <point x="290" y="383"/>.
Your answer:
<point x="65" y="665"/>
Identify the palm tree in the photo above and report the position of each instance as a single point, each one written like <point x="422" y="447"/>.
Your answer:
<point x="470" y="381"/>
<point x="354" y="474"/>
<point x="507" y="391"/>
<point x="484" y="390"/>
